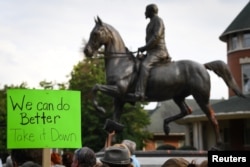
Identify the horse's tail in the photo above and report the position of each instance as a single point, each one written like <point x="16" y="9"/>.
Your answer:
<point x="222" y="70"/>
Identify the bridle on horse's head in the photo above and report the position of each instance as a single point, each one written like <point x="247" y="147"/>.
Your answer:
<point x="101" y="35"/>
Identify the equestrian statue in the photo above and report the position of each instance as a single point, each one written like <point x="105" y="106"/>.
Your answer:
<point x="153" y="77"/>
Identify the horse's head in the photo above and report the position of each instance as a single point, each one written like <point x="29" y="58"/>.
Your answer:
<point x="99" y="36"/>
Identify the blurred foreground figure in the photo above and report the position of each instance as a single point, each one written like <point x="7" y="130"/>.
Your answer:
<point x="26" y="157"/>
<point x="56" y="160"/>
<point x="132" y="147"/>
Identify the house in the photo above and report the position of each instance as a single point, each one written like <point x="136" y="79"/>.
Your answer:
<point x="178" y="133"/>
<point x="233" y="114"/>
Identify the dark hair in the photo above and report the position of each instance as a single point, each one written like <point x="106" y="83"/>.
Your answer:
<point x="176" y="162"/>
<point x="67" y="159"/>
<point x="20" y="156"/>
<point x="85" y="157"/>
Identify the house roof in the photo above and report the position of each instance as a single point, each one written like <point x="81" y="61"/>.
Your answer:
<point x="239" y="24"/>
<point x="233" y="108"/>
<point x="167" y="109"/>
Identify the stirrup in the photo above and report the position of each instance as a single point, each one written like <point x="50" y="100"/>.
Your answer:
<point x="139" y="96"/>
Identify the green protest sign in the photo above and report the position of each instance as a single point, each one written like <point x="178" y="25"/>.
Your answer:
<point x="43" y="119"/>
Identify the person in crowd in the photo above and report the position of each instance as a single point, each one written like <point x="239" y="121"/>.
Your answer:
<point x="181" y="162"/>
<point x="132" y="147"/>
<point x="204" y="163"/>
<point x="26" y="157"/>
<point x="85" y="157"/>
<point x="176" y="162"/>
<point x="8" y="162"/>
<point x="67" y="158"/>
<point x="109" y="138"/>
<point x="56" y="160"/>
<point x="117" y="155"/>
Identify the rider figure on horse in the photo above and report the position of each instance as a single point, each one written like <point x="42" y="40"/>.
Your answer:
<point x="155" y="47"/>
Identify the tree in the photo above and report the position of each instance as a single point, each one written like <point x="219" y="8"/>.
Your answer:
<point x="83" y="77"/>
<point x="3" y="117"/>
<point x="52" y="85"/>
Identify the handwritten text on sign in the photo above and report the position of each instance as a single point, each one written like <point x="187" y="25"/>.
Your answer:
<point x="43" y="119"/>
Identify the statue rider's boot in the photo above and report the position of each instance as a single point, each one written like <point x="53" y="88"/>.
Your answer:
<point x="139" y="93"/>
<point x="140" y="96"/>
<point x="141" y="86"/>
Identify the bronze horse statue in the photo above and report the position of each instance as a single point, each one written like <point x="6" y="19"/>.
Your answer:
<point x="175" y="80"/>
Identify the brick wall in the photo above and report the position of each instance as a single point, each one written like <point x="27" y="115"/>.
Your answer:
<point x="233" y="60"/>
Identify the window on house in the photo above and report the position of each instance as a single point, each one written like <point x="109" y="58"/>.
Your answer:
<point x="233" y="43"/>
<point x="245" y="68"/>
<point x="246" y="40"/>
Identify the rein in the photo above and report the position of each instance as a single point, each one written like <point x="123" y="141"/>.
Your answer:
<point x="114" y="54"/>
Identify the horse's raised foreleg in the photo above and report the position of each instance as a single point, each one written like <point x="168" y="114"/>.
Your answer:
<point x="110" y="90"/>
<point x="184" y="111"/>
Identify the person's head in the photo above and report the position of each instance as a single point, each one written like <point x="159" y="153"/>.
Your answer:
<point x="56" y="158"/>
<point x="9" y="162"/>
<point x="176" y="162"/>
<point x="204" y="163"/>
<point x="84" y="157"/>
<point x="117" y="156"/>
<point x="67" y="159"/>
<point x="131" y="146"/>
<point x="151" y="10"/>
<point x="21" y="156"/>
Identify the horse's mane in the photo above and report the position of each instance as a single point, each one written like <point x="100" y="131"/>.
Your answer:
<point x="115" y="34"/>
<point x="117" y="37"/>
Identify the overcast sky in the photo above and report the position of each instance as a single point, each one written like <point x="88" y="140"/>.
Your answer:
<point x="42" y="39"/>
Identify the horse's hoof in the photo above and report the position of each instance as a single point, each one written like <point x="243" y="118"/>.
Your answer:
<point x="166" y="129"/>
<point x="217" y="147"/>
<point x="138" y="96"/>
<point x="113" y="126"/>
<point x="214" y="148"/>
